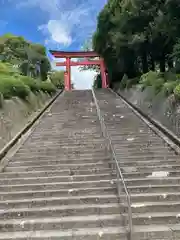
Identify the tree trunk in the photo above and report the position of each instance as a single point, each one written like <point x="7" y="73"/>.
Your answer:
<point x="152" y="63"/>
<point x="144" y="62"/>
<point x="162" y="64"/>
<point x="170" y="64"/>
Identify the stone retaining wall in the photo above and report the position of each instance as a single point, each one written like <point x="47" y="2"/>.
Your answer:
<point x="15" y="114"/>
<point x="165" y="110"/>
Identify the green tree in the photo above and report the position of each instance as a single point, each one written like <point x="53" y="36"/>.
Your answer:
<point x="136" y="36"/>
<point x="30" y="57"/>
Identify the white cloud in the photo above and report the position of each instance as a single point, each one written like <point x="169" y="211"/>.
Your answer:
<point x="60" y="29"/>
<point x="57" y="32"/>
<point x="69" y="20"/>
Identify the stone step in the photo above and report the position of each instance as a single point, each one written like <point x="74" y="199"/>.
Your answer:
<point x="56" y="223"/>
<point x="61" y="151"/>
<point x="63" y="211"/>
<point x="153" y="181"/>
<point x="146" y="157"/>
<point x="75" y="144"/>
<point x="156" y="218"/>
<point x="40" y="141"/>
<point x="153" y="197"/>
<point x="68" y="172"/>
<point x="108" y="233"/>
<point x="78" y="136"/>
<point x="148" y="174"/>
<point x="137" y="141"/>
<point x="51" y="179"/>
<point x="163" y="168"/>
<point x="58" y="201"/>
<point x="154" y="162"/>
<point x="124" y="135"/>
<point x="61" y="143"/>
<point x="154" y="188"/>
<point x="123" y="153"/>
<point x="56" y="167"/>
<point x="141" y="146"/>
<point x="16" y="195"/>
<point x="151" y="207"/>
<point x="71" y="157"/>
<point x="57" y="185"/>
<point x="50" y="149"/>
<point x="157" y="232"/>
<point x="59" y="154"/>
<point x="57" y="161"/>
<point x="147" y="150"/>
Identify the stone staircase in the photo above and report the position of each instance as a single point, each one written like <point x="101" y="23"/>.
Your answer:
<point x="151" y="171"/>
<point x="58" y="185"/>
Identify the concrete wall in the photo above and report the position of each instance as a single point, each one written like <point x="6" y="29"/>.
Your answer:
<point x="15" y="114"/>
<point x="165" y="110"/>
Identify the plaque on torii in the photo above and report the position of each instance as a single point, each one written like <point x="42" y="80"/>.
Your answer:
<point x="68" y="63"/>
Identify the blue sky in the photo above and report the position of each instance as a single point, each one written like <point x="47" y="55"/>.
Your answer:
<point x="58" y="24"/>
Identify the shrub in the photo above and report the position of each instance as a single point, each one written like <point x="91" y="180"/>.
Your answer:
<point x="47" y="87"/>
<point x="149" y="78"/>
<point x="178" y="76"/>
<point x="57" y="78"/>
<point x="4" y="68"/>
<point x="169" y="87"/>
<point x="31" y="83"/>
<point x="177" y="92"/>
<point x="10" y="86"/>
<point x="153" y="79"/>
<point x="158" y="85"/>
<point x="7" y="69"/>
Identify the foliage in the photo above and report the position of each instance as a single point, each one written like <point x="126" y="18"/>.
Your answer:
<point x="24" y="67"/>
<point x="7" y="69"/>
<point x="148" y="79"/>
<point x="153" y="79"/>
<point x="169" y="87"/>
<point x="47" y="87"/>
<point x="158" y="85"/>
<point x="137" y="36"/>
<point x="11" y="86"/>
<point x="177" y="91"/>
<point x="57" y="78"/>
<point x="88" y="47"/>
<point x="29" y="57"/>
<point x="31" y="83"/>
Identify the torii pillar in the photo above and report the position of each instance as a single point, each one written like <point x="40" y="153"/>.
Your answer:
<point x="103" y="74"/>
<point x="68" y="71"/>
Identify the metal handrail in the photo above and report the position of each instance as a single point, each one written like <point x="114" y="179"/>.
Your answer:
<point x="118" y="169"/>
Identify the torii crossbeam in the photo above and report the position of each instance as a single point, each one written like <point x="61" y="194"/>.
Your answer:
<point x="68" y="63"/>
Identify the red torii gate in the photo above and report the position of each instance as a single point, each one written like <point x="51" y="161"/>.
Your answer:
<point x="68" y="63"/>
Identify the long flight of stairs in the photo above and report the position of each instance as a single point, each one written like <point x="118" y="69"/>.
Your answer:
<point x="58" y="185"/>
<point x="151" y="171"/>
